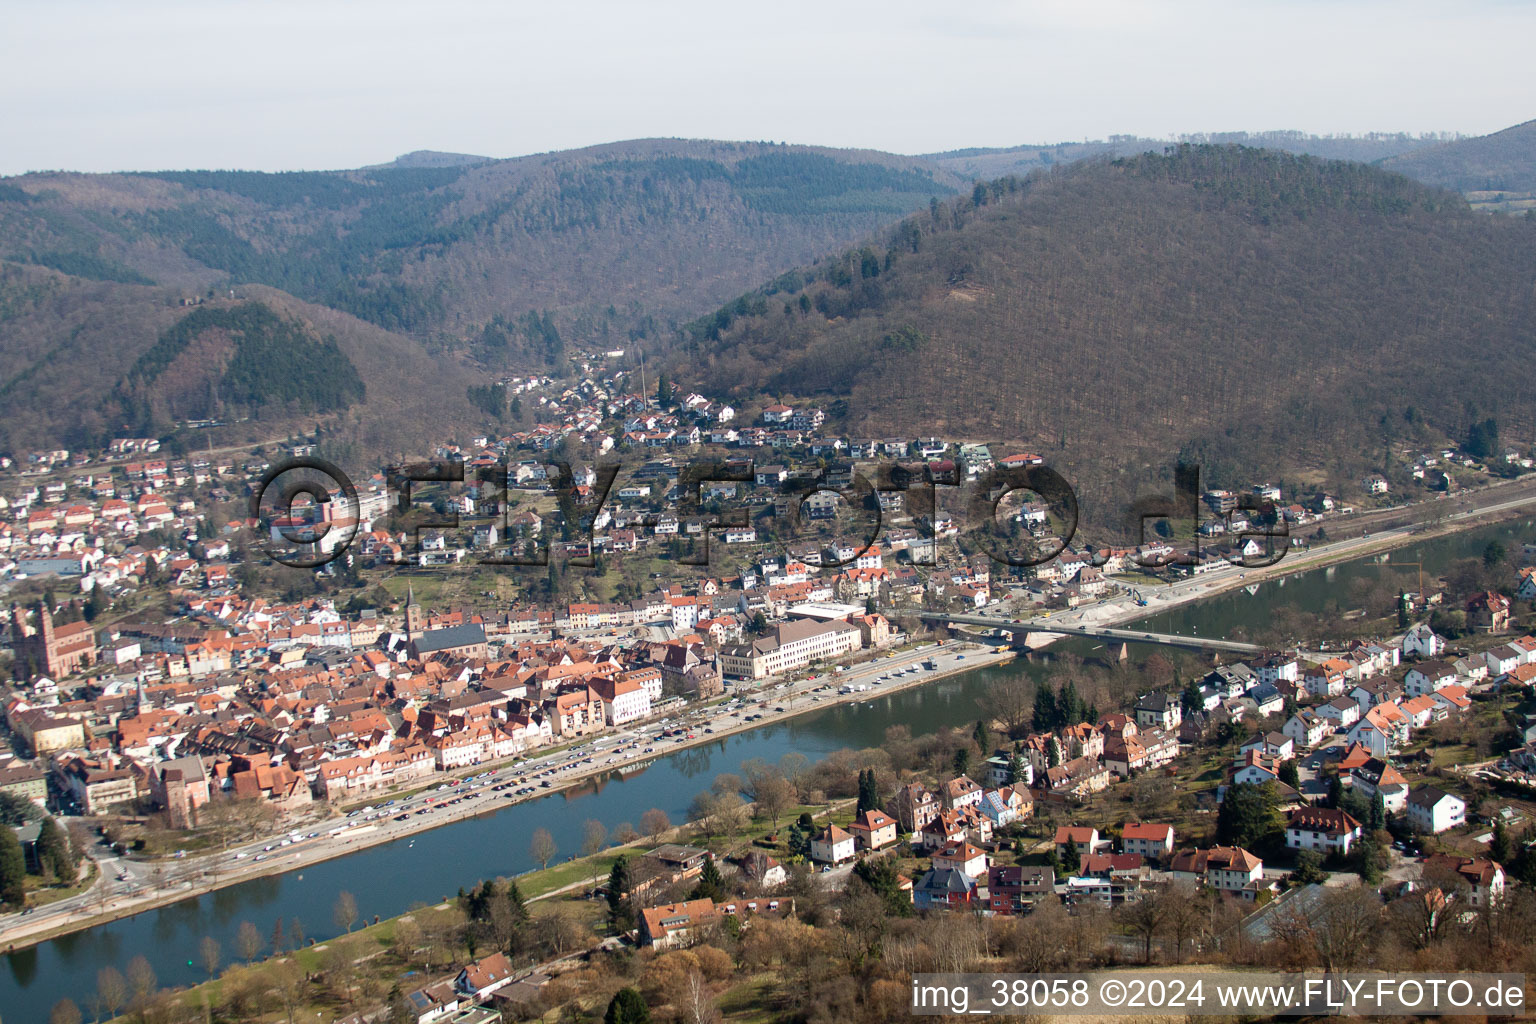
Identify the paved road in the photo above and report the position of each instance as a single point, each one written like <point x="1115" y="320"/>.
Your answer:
<point x="128" y="886"/>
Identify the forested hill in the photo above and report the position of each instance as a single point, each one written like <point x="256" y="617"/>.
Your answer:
<point x="1504" y="162"/>
<point x="1258" y="311"/>
<point x="608" y="240"/>
<point x="83" y="361"/>
<point x="1000" y="162"/>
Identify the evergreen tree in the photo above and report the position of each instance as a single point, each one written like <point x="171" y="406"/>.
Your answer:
<point x="983" y="738"/>
<point x="1015" y="770"/>
<point x="1290" y="774"/>
<point x="1402" y="610"/>
<point x="1524" y="866"/>
<point x="710" y="885"/>
<point x="1190" y="699"/>
<point x="1044" y="716"/>
<point x="1367" y="857"/>
<point x="962" y="760"/>
<point x="880" y="874"/>
<point x="1377" y="820"/>
<point x="13" y="869"/>
<point x="1069" y="706"/>
<point x="1071" y="858"/>
<point x="627" y="1007"/>
<point x="621" y="916"/>
<point x="53" y="852"/>
<point x="1249" y="816"/>
<point x="1052" y="752"/>
<point x="1335" y="792"/>
<point x="869" y="797"/>
<point x="1309" y="869"/>
<point x="514" y="898"/>
<point x="1501" y="850"/>
<point x="796" y="842"/>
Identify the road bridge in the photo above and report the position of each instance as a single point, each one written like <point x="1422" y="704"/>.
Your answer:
<point x="1046" y="630"/>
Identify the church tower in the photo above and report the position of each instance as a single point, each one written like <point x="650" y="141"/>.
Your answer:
<point x="412" y="613"/>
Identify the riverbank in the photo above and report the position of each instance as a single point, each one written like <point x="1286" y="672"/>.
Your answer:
<point x="953" y="658"/>
<point x="708" y="725"/>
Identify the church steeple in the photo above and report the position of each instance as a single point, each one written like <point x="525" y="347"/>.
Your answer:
<point x="412" y="613"/>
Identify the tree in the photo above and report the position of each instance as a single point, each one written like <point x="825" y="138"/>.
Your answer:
<point x="1249" y="816"/>
<point x="797" y="844"/>
<point x="141" y="979"/>
<point x="962" y="760"/>
<point x="1069" y="706"/>
<point x="1016" y="772"/>
<point x="1524" y="867"/>
<point x="16" y="809"/>
<point x="111" y="991"/>
<point x="1145" y="918"/>
<point x="289" y="982"/>
<point x="774" y="795"/>
<point x="654" y="823"/>
<point x="13" y="869"/>
<point x="1377" y="819"/>
<point x="627" y="1007"/>
<point x="983" y="737"/>
<point x="53" y="852"/>
<point x="64" y="1012"/>
<point x="1309" y="869"/>
<point x="711" y="885"/>
<point x="542" y="847"/>
<point x="514" y="900"/>
<point x="345" y="911"/>
<point x="210" y="954"/>
<point x="1494" y="552"/>
<point x="880" y="874"/>
<point x="247" y="941"/>
<point x="1289" y="773"/>
<point x="1009" y="702"/>
<point x="869" y="797"/>
<point x="594" y="835"/>
<point x="1187" y="915"/>
<point x="621" y="915"/>
<point x="1191" y="699"/>
<point x="279" y="940"/>
<point x="1501" y="849"/>
<point x="1045" y="716"/>
<point x="1367" y="858"/>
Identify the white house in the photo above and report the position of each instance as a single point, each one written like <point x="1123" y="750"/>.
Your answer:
<point x="1306" y="728"/>
<point x="1423" y="642"/>
<point x="1322" y="829"/>
<point x="1428" y="677"/>
<point x="1153" y="842"/>
<point x="832" y="845"/>
<point x="1433" y="810"/>
<point x="1342" y="711"/>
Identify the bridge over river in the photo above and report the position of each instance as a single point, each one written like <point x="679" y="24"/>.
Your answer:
<point x="1038" y="632"/>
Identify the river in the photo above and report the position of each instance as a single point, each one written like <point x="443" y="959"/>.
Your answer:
<point x="388" y="879"/>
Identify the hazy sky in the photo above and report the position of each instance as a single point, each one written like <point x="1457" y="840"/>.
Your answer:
<point x="104" y="85"/>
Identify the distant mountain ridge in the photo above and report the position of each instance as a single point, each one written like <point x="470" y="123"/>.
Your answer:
<point x="1502" y="161"/>
<point x="998" y="162"/>
<point x="431" y="158"/>
<point x="615" y="240"/>
<point x="1254" y="311"/>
